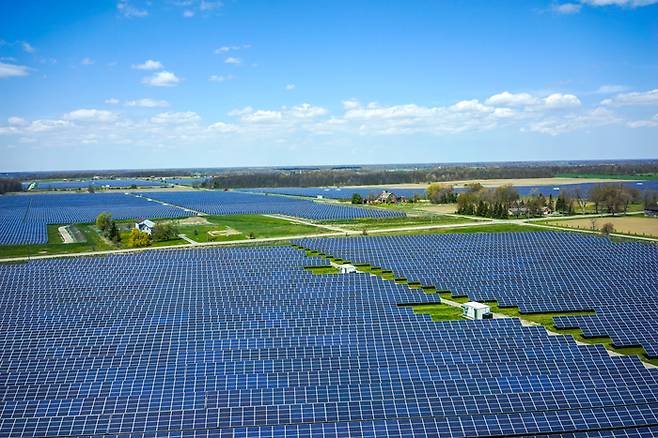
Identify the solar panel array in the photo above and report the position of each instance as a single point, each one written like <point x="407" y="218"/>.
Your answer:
<point x="365" y="192"/>
<point x="338" y="192"/>
<point x="538" y="272"/>
<point x="220" y="202"/>
<point x="96" y="183"/>
<point x="23" y="219"/>
<point x="243" y="342"/>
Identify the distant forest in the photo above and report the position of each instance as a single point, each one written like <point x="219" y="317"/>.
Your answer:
<point x="364" y="176"/>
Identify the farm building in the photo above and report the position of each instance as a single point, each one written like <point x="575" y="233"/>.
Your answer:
<point x="145" y="226"/>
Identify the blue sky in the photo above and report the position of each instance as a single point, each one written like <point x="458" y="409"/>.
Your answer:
<point x="187" y="83"/>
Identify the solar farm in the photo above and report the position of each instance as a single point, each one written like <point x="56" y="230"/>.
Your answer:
<point x="23" y="219"/>
<point x="244" y="342"/>
<point x="220" y="202"/>
<point x="536" y="272"/>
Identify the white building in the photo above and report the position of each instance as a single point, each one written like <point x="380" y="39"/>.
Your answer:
<point x="475" y="310"/>
<point x="145" y="226"/>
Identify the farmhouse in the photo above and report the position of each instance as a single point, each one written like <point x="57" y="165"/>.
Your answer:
<point x="145" y="226"/>
<point x="651" y="210"/>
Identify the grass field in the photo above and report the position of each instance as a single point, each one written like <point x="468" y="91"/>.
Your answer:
<point x="632" y="225"/>
<point x="372" y="223"/>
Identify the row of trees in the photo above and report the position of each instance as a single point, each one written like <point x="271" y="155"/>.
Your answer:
<point x="486" y="202"/>
<point x="380" y="175"/>
<point x="10" y="185"/>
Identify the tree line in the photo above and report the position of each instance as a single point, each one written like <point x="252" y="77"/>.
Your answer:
<point x="379" y="176"/>
<point x="10" y="185"/>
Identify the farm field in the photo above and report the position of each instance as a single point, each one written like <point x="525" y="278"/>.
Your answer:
<point x="633" y="225"/>
<point x="500" y="182"/>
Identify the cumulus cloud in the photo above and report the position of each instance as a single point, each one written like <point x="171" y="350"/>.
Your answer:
<point x="558" y="100"/>
<point x="91" y="114"/>
<point x="290" y="87"/>
<point x="149" y="64"/>
<point x="207" y="5"/>
<point x="511" y="99"/>
<point x="112" y="101"/>
<point x="636" y="98"/>
<point x="87" y="61"/>
<point x="148" y="103"/>
<point x="647" y="123"/>
<point x="129" y="11"/>
<point x="13" y="70"/>
<point x="16" y="121"/>
<point x="233" y="60"/>
<point x="188" y="13"/>
<point x="162" y="79"/>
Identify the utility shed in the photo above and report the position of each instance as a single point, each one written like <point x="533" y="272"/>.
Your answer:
<point x="475" y="310"/>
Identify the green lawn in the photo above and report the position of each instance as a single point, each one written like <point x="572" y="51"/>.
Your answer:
<point x="249" y="226"/>
<point x="55" y="245"/>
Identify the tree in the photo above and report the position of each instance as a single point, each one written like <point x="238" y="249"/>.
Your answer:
<point x="138" y="239"/>
<point x="91" y="189"/>
<point x="506" y="195"/>
<point x="113" y="233"/>
<point x="104" y="222"/>
<point x="441" y="194"/>
<point x="607" y="229"/>
<point x="164" y="231"/>
<point x="357" y="199"/>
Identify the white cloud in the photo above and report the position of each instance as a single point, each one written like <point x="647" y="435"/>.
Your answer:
<point x="226" y="49"/>
<point x="222" y="127"/>
<point x="558" y="100"/>
<point x="188" y="13"/>
<point x="13" y="70"/>
<point x="91" y="114"/>
<point x="149" y="64"/>
<point x="290" y="87"/>
<point x="611" y="89"/>
<point x="649" y="123"/>
<point x="176" y="118"/>
<point x="220" y="78"/>
<point x="87" y="61"/>
<point x="572" y="122"/>
<point x="27" y="47"/>
<point x="470" y="105"/>
<point x="130" y="11"/>
<point x="47" y="125"/>
<point x="306" y="110"/>
<point x="566" y="8"/>
<point x="262" y="116"/>
<point x="233" y="60"/>
<point x="510" y="99"/>
<point x="207" y="5"/>
<point x="635" y="98"/>
<point x="627" y="3"/>
<point x="162" y="79"/>
<point x="16" y="121"/>
<point x="148" y="103"/>
<point x="112" y="101"/>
